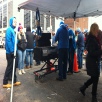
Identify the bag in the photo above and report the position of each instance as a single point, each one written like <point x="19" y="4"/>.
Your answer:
<point x="22" y="44"/>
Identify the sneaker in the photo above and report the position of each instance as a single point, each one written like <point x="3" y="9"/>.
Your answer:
<point x="17" y="83"/>
<point x="59" y="79"/>
<point x="7" y="86"/>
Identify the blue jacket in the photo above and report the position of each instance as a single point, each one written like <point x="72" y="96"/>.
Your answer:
<point x="10" y="37"/>
<point x="72" y="42"/>
<point x="62" y="37"/>
<point x="80" y="40"/>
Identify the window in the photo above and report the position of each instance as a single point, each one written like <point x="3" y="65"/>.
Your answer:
<point x="0" y="17"/>
<point x="26" y="18"/>
<point x="5" y="15"/>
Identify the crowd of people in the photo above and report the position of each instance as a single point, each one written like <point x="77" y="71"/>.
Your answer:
<point x="68" y="44"/>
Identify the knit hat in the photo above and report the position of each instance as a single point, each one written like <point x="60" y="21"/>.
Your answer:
<point x="78" y="30"/>
<point x="20" y="26"/>
<point x="61" y="23"/>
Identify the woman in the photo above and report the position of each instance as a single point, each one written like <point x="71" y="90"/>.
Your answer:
<point x="94" y="53"/>
<point x="21" y="50"/>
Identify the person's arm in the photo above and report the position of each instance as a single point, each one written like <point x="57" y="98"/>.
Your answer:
<point x="91" y="48"/>
<point x="57" y="36"/>
<point x="10" y="39"/>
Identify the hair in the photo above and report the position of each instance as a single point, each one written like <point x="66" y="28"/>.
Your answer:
<point x="28" y="28"/>
<point x="94" y="27"/>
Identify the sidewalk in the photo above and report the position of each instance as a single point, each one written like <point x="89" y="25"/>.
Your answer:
<point x="47" y="89"/>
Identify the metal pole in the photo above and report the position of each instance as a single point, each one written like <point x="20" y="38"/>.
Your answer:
<point x="15" y="47"/>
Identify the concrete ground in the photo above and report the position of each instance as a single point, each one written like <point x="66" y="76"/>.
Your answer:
<point x="46" y="89"/>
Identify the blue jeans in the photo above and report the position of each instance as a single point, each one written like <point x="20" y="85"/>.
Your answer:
<point x="21" y="59"/>
<point x="80" y="56"/>
<point x="29" y="58"/>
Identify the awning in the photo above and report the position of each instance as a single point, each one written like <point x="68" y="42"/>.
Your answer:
<point x="65" y="8"/>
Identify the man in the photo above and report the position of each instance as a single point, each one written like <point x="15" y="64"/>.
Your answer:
<point x="29" y="48"/>
<point x="63" y="44"/>
<point x="9" y="46"/>
<point x="71" y="50"/>
<point x="80" y="47"/>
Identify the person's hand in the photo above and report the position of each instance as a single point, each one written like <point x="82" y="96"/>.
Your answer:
<point x="12" y="54"/>
<point x="85" y="52"/>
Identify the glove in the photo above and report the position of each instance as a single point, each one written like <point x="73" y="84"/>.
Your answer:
<point x="12" y="54"/>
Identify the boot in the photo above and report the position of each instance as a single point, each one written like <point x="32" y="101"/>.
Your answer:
<point x="17" y="83"/>
<point x="94" y="99"/>
<point x="23" y="71"/>
<point x="7" y="86"/>
<point x="19" y="72"/>
<point x="82" y="89"/>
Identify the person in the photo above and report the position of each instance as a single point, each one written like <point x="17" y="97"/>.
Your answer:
<point x="71" y="50"/>
<point x="80" y="47"/>
<point x="29" y="48"/>
<point x="94" y="53"/>
<point x="21" y="50"/>
<point x="10" y="47"/>
<point x="53" y="39"/>
<point x="63" y="44"/>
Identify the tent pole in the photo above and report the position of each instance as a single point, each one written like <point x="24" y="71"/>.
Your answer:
<point x="74" y="25"/>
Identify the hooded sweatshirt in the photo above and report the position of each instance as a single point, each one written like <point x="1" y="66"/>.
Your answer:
<point x="10" y="37"/>
<point x="62" y="37"/>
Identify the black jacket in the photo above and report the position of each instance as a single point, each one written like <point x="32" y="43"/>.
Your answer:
<point x="30" y="40"/>
<point x="93" y="56"/>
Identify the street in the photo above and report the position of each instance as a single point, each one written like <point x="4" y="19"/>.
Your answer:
<point x="46" y="89"/>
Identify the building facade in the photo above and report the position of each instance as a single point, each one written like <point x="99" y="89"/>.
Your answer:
<point x="9" y="8"/>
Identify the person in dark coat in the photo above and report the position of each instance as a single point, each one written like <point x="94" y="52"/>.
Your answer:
<point x="63" y="44"/>
<point x="29" y="48"/>
<point x="94" y="53"/>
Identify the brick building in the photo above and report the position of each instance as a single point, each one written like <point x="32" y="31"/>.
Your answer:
<point x="79" y="22"/>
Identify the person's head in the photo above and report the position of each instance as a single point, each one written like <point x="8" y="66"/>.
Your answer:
<point x="28" y="29"/>
<point x="66" y="25"/>
<point x="13" y="22"/>
<point x="94" y="29"/>
<point x="20" y="29"/>
<point x="61" y="23"/>
<point x="78" y="30"/>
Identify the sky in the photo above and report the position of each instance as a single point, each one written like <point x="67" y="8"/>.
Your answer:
<point x="97" y="19"/>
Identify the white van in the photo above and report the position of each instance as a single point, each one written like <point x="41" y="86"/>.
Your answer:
<point x="2" y="42"/>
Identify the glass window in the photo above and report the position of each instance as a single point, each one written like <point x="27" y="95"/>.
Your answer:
<point x="47" y="21"/>
<point x="42" y="21"/>
<point x="53" y="23"/>
<point x="26" y="18"/>
<point x="5" y="15"/>
<point x="0" y="17"/>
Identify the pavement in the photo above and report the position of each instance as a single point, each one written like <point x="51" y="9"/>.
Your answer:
<point x="47" y="89"/>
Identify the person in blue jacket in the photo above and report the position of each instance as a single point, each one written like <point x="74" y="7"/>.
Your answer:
<point x="10" y="47"/>
<point x="80" y="47"/>
<point x="63" y="44"/>
<point x="71" y="50"/>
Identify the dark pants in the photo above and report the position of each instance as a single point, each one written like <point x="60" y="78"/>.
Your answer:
<point x="94" y="81"/>
<point x="62" y="62"/>
<point x="9" y="69"/>
<point x="70" y="60"/>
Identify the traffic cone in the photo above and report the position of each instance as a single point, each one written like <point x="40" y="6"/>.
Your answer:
<point x="75" y="66"/>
